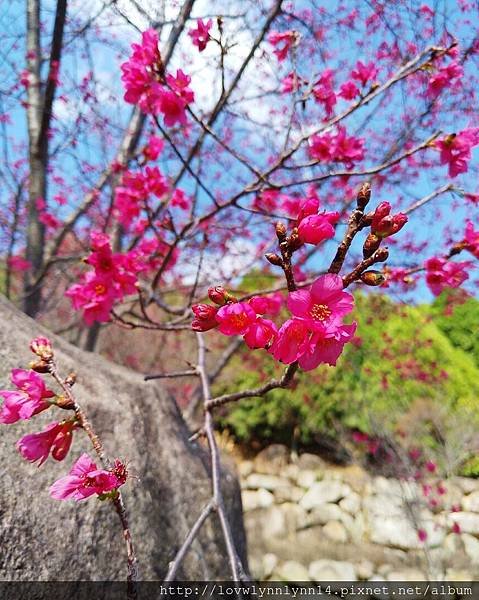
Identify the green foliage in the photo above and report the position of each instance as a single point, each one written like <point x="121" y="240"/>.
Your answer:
<point x="403" y="356"/>
<point x="458" y="318"/>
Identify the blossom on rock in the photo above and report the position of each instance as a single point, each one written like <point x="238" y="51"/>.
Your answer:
<point x="84" y="480"/>
<point x="442" y="274"/>
<point x="30" y="398"/>
<point x="56" y="439"/>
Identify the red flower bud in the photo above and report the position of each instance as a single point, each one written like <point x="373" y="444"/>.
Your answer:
<point x="384" y="224"/>
<point x="218" y="295"/>
<point x="205" y="317"/>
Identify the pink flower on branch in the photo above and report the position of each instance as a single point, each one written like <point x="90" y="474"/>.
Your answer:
<point x="85" y="480"/>
<point x="336" y="147"/>
<point x="442" y="274"/>
<point x="456" y="149"/>
<point x="327" y="344"/>
<point x="445" y="77"/>
<point x="324" y="302"/>
<point x="30" y="398"/>
<point x="201" y="35"/>
<point x="283" y="42"/>
<point x="146" y="84"/>
<point x="56" y="439"/>
<point x="471" y="239"/>
<point x="314" y="229"/>
<point x="260" y="334"/>
<point x="364" y="73"/>
<point x="235" y="318"/>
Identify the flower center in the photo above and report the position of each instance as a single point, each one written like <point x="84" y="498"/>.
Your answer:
<point x="320" y="312"/>
<point x="100" y="288"/>
<point x="238" y="320"/>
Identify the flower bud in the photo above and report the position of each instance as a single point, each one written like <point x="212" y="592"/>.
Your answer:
<point x="42" y="347"/>
<point x="364" y="195"/>
<point x="218" y="295"/>
<point x="274" y="259"/>
<point x="280" y="231"/>
<point x="205" y="317"/>
<point x="371" y="245"/>
<point x="39" y="366"/>
<point x="373" y="278"/>
<point x="381" y="255"/>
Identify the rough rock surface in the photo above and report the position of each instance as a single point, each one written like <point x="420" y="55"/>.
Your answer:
<point x="42" y="538"/>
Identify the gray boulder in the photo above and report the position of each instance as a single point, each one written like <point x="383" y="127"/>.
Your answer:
<point x="46" y="539"/>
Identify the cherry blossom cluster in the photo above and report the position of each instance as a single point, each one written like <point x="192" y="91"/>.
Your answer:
<point x="32" y="397"/>
<point x="114" y="275"/>
<point x="336" y="147"/>
<point x="314" y="333"/>
<point x="148" y="86"/>
<point x="137" y="187"/>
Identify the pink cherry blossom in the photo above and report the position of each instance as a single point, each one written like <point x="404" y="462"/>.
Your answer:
<point x="95" y="296"/>
<point x="154" y="147"/>
<point x="19" y="264"/>
<point x="338" y="147"/>
<point x="56" y="439"/>
<point x="29" y="399"/>
<point x="235" y="318"/>
<point x="292" y="341"/>
<point x="323" y="91"/>
<point x="260" y="334"/>
<point x="282" y="41"/>
<point x="267" y="305"/>
<point x="327" y="344"/>
<point x="364" y="73"/>
<point x="83" y="481"/>
<point x="444" y="78"/>
<point x="325" y="301"/>
<point x="314" y="229"/>
<point x="201" y="35"/>
<point x="471" y="239"/>
<point x="180" y="199"/>
<point x="456" y="149"/>
<point x="140" y="70"/>
<point x="348" y="90"/>
<point x="442" y="274"/>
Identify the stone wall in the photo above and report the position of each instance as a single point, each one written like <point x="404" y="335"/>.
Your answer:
<point x="308" y="520"/>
